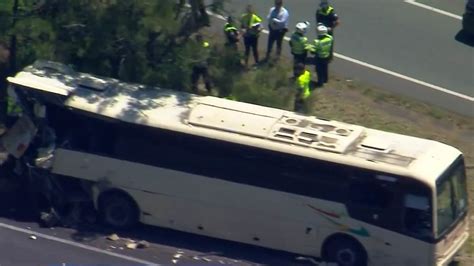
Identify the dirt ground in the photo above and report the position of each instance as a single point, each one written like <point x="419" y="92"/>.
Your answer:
<point x="353" y="102"/>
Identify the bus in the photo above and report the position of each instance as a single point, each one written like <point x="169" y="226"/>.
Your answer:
<point x="246" y="173"/>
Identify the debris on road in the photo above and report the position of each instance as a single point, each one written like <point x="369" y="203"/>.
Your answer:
<point x="131" y="245"/>
<point x="49" y="219"/>
<point x="206" y="259"/>
<point x="33" y="237"/>
<point x="143" y="244"/>
<point x="113" y="237"/>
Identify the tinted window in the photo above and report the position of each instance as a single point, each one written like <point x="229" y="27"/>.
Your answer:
<point x="369" y="195"/>
<point x="231" y="162"/>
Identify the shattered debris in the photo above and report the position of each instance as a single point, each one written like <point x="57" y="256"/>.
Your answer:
<point x="49" y="219"/>
<point x="143" y="244"/>
<point x="113" y="237"/>
<point x="131" y="245"/>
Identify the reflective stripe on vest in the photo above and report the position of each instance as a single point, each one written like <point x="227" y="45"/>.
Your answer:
<point x="303" y="82"/>
<point x="229" y="27"/>
<point x="298" y="43"/>
<point x="327" y="12"/>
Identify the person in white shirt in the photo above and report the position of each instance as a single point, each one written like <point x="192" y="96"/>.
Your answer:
<point x="278" y="26"/>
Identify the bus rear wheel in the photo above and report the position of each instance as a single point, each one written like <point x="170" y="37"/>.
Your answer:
<point x="345" y="252"/>
<point x="118" y="210"/>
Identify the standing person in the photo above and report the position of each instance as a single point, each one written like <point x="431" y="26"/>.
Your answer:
<point x="251" y="27"/>
<point x="327" y="16"/>
<point x="232" y="33"/>
<point x="302" y="83"/>
<point x="322" y="48"/>
<point x="299" y="43"/>
<point x="201" y="65"/>
<point x="277" y="25"/>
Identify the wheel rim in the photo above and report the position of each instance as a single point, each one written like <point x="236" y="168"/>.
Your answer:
<point x="117" y="214"/>
<point x="346" y="257"/>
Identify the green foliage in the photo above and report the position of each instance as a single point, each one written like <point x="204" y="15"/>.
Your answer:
<point x="143" y="41"/>
<point x="267" y="85"/>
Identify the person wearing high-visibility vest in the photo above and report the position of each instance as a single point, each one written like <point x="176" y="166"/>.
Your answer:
<point x="201" y="65"/>
<point x="302" y="83"/>
<point x="251" y="27"/>
<point x="326" y="14"/>
<point x="231" y="33"/>
<point x="299" y="43"/>
<point x="322" y="48"/>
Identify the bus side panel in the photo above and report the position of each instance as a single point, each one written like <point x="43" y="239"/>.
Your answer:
<point x="389" y="248"/>
<point x="238" y="212"/>
<point x="208" y="206"/>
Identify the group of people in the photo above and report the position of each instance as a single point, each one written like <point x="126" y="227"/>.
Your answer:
<point x="250" y="28"/>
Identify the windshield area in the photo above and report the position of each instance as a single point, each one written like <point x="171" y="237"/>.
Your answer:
<point x="451" y="197"/>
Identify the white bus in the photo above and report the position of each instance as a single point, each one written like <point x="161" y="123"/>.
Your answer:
<point x="252" y="174"/>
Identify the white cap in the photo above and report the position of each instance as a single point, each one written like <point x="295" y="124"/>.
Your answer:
<point x="302" y="26"/>
<point x="321" y="29"/>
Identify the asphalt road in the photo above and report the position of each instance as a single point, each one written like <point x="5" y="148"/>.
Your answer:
<point x="16" y="248"/>
<point x="399" y="37"/>
<point x="87" y="244"/>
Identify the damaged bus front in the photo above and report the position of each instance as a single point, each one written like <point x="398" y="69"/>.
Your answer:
<point x="39" y="125"/>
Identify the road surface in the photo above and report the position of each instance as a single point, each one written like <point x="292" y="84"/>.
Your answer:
<point x="411" y="41"/>
<point x="16" y="248"/>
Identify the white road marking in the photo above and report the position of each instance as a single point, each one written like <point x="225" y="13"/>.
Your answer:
<point x="75" y="244"/>
<point x="439" y="11"/>
<point x="398" y="75"/>
<point x="383" y="70"/>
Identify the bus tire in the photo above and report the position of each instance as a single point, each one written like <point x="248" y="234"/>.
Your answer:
<point x="117" y="209"/>
<point x="345" y="251"/>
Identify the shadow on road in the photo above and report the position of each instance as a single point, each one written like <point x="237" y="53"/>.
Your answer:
<point x="17" y="206"/>
<point x="464" y="38"/>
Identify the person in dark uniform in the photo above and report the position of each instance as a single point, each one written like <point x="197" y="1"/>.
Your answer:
<point x="201" y="65"/>
<point x="231" y="33"/>
<point x="327" y="16"/>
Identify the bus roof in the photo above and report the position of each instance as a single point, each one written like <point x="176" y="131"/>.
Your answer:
<point x="243" y="123"/>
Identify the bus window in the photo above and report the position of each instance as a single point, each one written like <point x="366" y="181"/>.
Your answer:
<point x="417" y="218"/>
<point x="369" y="195"/>
<point x="375" y="203"/>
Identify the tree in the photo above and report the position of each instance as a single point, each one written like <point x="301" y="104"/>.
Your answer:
<point x="144" y="41"/>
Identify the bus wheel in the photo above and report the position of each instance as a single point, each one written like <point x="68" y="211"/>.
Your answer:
<point x="118" y="210"/>
<point x="345" y="252"/>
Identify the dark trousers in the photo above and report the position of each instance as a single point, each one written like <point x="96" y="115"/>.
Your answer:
<point x="199" y="71"/>
<point x="251" y="42"/>
<point x="275" y="36"/>
<point x="299" y="58"/>
<point x="322" y="70"/>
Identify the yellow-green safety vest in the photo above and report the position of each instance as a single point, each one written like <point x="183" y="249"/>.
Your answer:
<point x="322" y="47"/>
<point x="229" y="27"/>
<point x="327" y="12"/>
<point x="298" y="43"/>
<point x="303" y="82"/>
<point x="12" y="107"/>
<point x="249" y="21"/>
